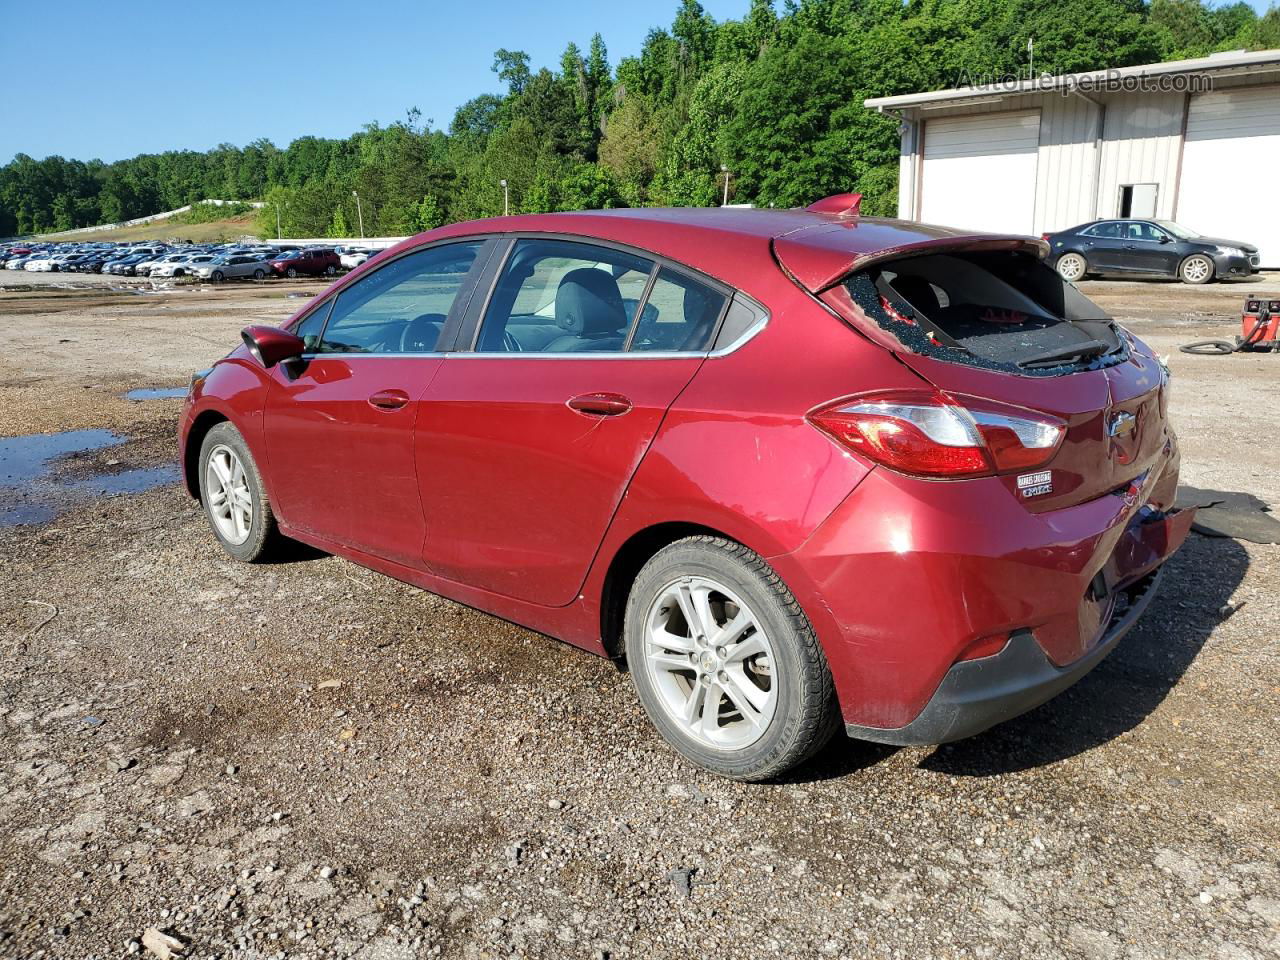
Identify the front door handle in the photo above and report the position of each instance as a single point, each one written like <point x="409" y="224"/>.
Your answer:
<point x="389" y="399"/>
<point x="600" y="404"/>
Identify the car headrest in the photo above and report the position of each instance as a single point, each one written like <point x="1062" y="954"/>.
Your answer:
<point x="589" y="304"/>
<point x="918" y="292"/>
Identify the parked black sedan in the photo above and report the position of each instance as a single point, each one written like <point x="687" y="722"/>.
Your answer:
<point x="1159" y="248"/>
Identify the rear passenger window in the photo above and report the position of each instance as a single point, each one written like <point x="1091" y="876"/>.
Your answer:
<point x="558" y="296"/>
<point x="680" y="314"/>
<point x="402" y="307"/>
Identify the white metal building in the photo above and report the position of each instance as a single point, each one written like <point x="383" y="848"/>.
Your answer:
<point x="1196" y="141"/>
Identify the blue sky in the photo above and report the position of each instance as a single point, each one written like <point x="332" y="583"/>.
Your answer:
<point x="111" y="80"/>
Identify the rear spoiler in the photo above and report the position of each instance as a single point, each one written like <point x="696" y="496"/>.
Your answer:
<point x="821" y="256"/>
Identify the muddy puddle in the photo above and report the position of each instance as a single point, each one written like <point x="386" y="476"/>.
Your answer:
<point x="36" y="484"/>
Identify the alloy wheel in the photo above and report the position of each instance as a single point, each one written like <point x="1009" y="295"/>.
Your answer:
<point x="1071" y="266"/>
<point x="1196" y="270"/>
<point x="711" y="663"/>
<point x="230" y="501"/>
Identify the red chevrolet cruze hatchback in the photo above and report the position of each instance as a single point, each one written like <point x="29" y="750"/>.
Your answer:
<point x="802" y="469"/>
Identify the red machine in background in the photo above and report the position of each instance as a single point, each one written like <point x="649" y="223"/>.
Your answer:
<point x="1259" y="331"/>
<point x="1258" y="325"/>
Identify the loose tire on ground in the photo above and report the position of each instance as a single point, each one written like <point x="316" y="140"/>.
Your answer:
<point x="792" y="683"/>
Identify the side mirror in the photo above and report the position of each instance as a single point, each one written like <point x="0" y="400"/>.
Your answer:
<point x="1165" y="238"/>
<point x="271" y="345"/>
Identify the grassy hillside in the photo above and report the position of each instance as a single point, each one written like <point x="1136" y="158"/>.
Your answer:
<point x="232" y="228"/>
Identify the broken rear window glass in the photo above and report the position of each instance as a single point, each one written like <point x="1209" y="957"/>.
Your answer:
<point x="1003" y="310"/>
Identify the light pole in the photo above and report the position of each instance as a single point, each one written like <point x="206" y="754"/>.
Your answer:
<point x="359" y="213"/>
<point x="506" y="199"/>
<point x="725" y="170"/>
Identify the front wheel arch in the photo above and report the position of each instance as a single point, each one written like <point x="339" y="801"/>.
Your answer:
<point x="191" y="455"/>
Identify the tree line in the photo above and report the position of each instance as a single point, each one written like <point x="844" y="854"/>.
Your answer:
<point x="768" y="106"/>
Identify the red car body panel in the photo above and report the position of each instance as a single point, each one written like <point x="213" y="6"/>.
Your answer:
<point x="368" y="450"/>
<point x="486" y="487"/>
<point x="517" y="486"/>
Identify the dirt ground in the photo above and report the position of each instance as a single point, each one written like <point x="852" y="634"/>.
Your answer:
<point x="309" y="760"/>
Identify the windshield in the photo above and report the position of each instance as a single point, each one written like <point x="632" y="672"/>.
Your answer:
<point x="288" y="255"/>
<point x="1182" y="233"/>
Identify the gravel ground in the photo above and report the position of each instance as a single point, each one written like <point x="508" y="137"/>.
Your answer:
<point x="309" y="760"/>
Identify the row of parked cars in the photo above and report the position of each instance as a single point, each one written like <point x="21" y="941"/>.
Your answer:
<point x="217" y="262"/>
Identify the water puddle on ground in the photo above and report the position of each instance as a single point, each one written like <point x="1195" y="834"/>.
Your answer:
<point x="155" y="393"/>
<point x="32" y="491"/>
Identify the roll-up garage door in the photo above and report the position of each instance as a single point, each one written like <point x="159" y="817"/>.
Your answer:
<point x="1228" y="184"/>
<point x="980" y="171"/>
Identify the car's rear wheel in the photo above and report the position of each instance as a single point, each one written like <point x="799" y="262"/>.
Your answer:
<point x="259" y="274"/>
<point x="725" y="662"/>
<point x="1072" y="267"/>
<point x="233" y="495"/>
<point x="330" y="270"/>
<point x="1197" y="268"/>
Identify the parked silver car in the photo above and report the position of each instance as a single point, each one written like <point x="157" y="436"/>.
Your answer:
<point x="236" y="266"/>
<point x="182" y="268"/>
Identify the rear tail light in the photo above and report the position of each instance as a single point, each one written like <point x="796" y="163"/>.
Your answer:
<point x="1044" y="237"/>
<point x="929" y="434"/>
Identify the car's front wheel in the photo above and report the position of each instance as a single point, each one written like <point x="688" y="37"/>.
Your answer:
<point x="259" y="274"/>
<point x="1197" y="268"/>
<point x="725" y="662"/>
<point x="291" y="273"/>
<point x="1072" y="267"/>
<point x="218" y="276"/>
<point x="233" y="495"/>
<point x="330" y="270"/>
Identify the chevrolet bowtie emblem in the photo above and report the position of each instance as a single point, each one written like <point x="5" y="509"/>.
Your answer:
<point x="1121" y="423"/>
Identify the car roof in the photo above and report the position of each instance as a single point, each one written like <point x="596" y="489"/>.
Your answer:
<point x="736" y="244"/>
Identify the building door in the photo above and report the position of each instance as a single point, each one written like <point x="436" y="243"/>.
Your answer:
<point x="1137" y="200"/>
<point x="1227" y="188"/>
<point x="979" y="171"/>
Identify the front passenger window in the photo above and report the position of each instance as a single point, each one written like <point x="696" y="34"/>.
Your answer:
<point x="402" y="307"/>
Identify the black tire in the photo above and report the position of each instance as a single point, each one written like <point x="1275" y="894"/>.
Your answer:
<point x="1196" y="269"/>
<point x="1072" y="266"/>
<point x="806" y="714"/>
<point x="291" y="273"/>
<point x="259" y="274"/>
<point x="330" y="270"/>
<point x="217" y="276"/>
<point x="263" y="536"/>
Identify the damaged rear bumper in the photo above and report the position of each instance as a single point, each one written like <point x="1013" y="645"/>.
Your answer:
<point x="975" y="695"/>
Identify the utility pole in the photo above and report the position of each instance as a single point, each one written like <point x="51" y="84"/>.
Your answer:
<point x="506" y="199"/>
<point x="359" y="213"/>
<point x="725" y="170"/>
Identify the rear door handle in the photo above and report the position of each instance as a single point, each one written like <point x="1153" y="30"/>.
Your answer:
<point x="600" y="404"/>
<point x="389" y="399"/>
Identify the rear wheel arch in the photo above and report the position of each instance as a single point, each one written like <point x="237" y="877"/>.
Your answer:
<point x="626" y="564"/>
